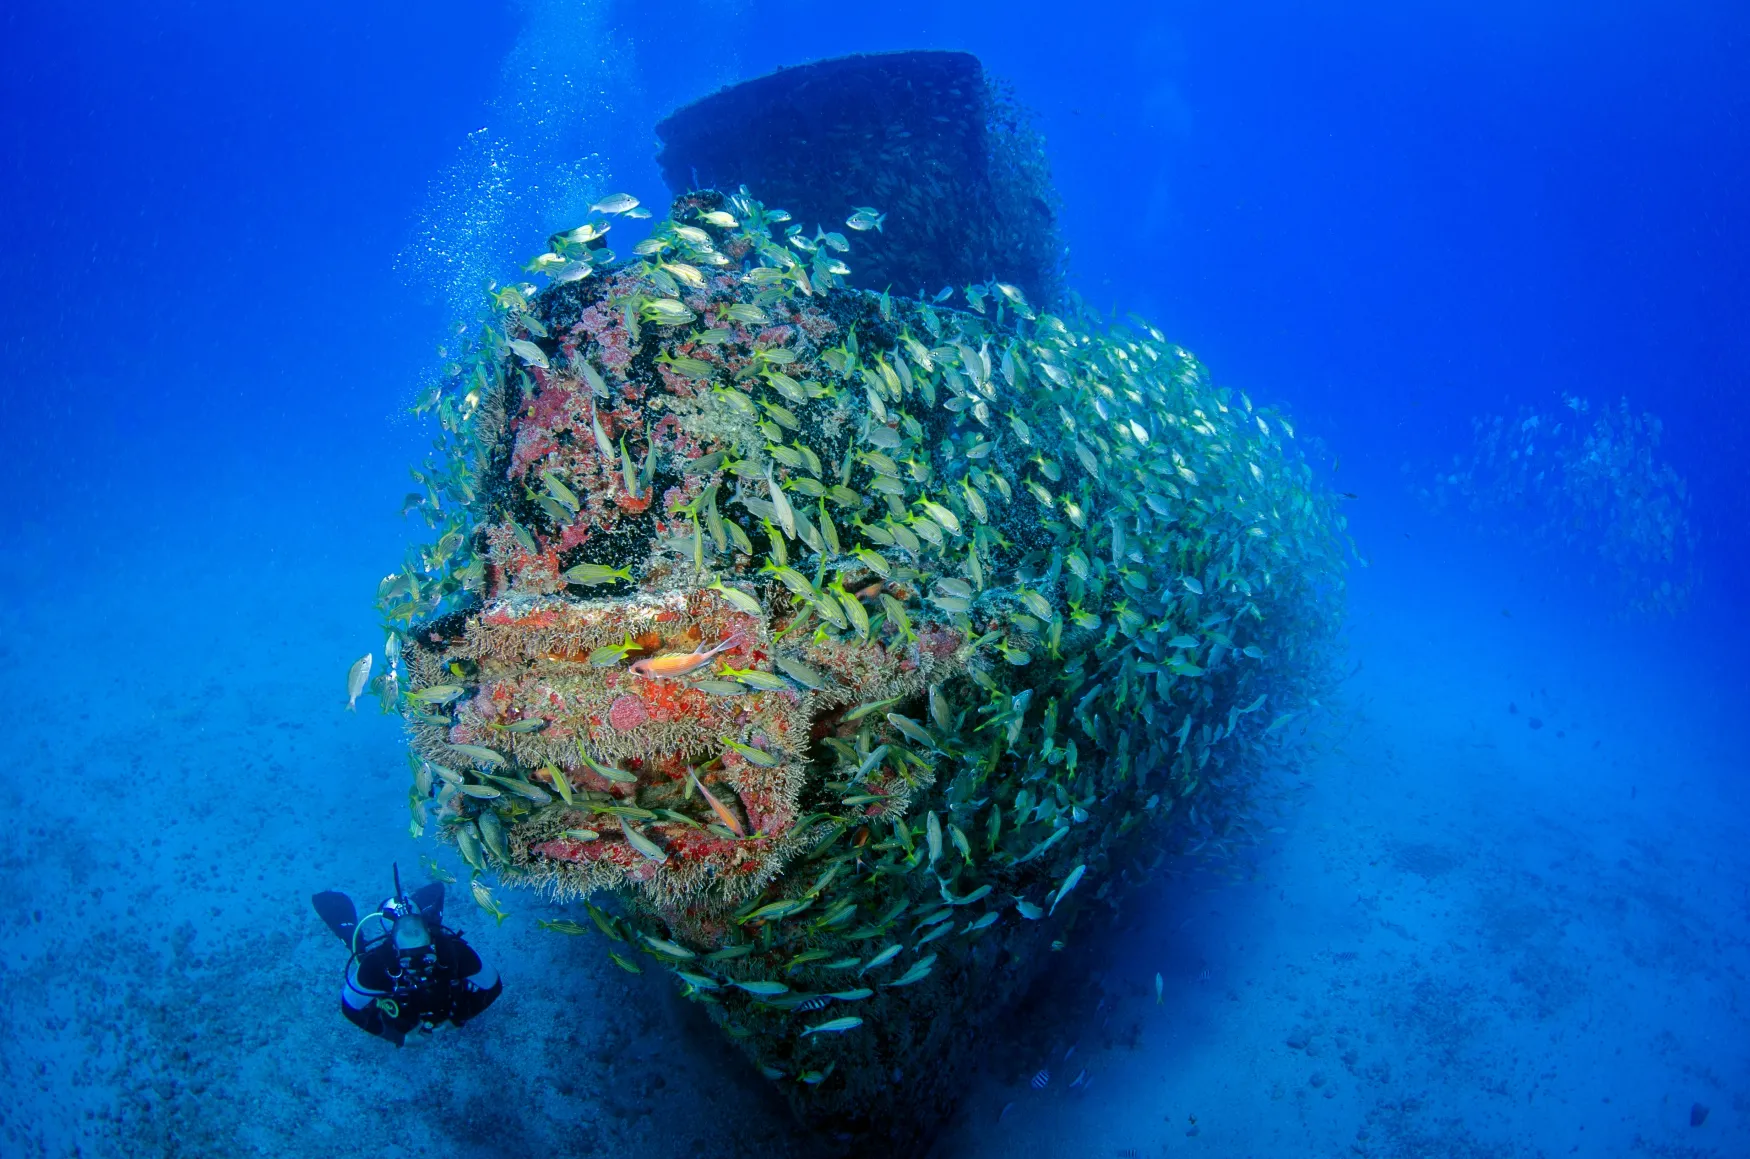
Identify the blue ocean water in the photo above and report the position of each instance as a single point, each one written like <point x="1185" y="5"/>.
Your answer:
<point x="1503" y="912"/>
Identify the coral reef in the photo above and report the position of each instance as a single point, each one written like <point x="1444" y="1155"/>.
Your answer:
<point x="856" y="645"/>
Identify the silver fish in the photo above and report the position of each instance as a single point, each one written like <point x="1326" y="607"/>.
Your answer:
<point x="615" y="203"/>
<point x="492" y="833"/>
<point x="781" y="506"/>
<point x="356" y="678"/>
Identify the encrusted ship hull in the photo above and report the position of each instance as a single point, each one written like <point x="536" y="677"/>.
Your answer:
<point x="855" y="646"/>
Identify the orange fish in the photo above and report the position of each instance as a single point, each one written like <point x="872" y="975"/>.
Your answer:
<point x="729" y="819"/>
<point x="675" y="665"/>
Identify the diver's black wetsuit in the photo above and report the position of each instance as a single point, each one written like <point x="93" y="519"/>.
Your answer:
<point x="390" y="991"/>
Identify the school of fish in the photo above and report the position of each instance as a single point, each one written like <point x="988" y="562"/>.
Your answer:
<point x="838" y="634"/>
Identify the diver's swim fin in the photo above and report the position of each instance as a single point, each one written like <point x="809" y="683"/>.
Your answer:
<point x="338" y="911"/>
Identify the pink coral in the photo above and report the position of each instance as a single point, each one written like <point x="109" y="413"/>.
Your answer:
<point x="551" y="407"/>
<point x="532" y="445"/>
<point x="627" y="712"/>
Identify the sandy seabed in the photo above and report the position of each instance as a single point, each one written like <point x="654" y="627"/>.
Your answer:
<point x="1463" y="935"/>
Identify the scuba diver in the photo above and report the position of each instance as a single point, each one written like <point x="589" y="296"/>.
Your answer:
<point x="413" y="972"/>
